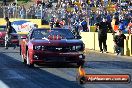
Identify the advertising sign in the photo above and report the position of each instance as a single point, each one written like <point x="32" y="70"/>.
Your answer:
<point x="23" y="26"/>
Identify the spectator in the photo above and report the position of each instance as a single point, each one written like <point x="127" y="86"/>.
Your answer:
<point x="57" y="24"/>
<point x="38" y="2"/>
<point x="119" y="42"/>
<point x="129" y="27"/>
<point x="23" y="12"/>
<point x="115" y="23"/>
<point x="4" y="2"/>
<point x="76" y="26"/>
<point x="105" y="3"/>
<point x="84" y="25"/>
<point x="92" y="18"/>
<point x="103" y="27"/>
<point x="62" y="23"/>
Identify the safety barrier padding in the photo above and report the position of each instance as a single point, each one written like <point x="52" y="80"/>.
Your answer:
<point x="127" y="46"/>
<point x="96" y="42"/>
<point x="88" y="39"/>
<point x="110" y="43"/>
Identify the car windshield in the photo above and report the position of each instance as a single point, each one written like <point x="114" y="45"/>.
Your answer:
<point x="3" y="28"/>
<point x="44" y="33"/>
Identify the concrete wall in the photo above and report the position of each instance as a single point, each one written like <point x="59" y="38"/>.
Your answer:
<point x="88" y="38"/>
<point x="91" y="42"/>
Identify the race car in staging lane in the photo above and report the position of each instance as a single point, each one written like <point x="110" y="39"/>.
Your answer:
<point x="14" y="36"/>
<point x="51" y="45"/>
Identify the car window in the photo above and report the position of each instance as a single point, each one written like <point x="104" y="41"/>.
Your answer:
<point x="2" y="28"/>
<point x="13" y="30"/>
<point x="66" y="33"/>
<point x="39" y="34"/>
<point x="44" y="33"/>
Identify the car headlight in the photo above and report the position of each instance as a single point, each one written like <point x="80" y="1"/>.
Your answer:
<point x="78" y="47"/>
<point x="73" y="47"/>
<point x="37" y="47"/>
<point x="43" y="48"/>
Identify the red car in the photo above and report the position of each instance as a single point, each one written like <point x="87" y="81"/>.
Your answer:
<point x="51" y="45"/>
<point x="14" y="36"/>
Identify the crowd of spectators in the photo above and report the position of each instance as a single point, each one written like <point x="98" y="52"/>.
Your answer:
<point x="73" y="12"/>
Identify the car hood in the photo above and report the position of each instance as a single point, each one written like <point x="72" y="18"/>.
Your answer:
<point x="63" y="42"/>
<point x="2" y="33"/>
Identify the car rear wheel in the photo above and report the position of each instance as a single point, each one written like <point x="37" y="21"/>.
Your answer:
<point x="29" y="64"/>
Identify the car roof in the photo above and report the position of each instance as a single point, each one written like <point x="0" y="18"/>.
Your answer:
<point x="49" y="28"/>
<point x="41" y="29"/>
<point x="58" y="28"/>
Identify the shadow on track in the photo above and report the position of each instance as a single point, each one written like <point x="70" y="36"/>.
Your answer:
<point x="108" y="64"/>
<point x="34" y="77"/>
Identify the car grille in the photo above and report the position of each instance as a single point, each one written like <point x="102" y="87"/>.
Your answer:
<point x="54" y="48"/>
<point x="59" y="59"/>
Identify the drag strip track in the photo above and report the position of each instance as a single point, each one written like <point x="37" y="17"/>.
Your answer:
<point x="14" y="74"/>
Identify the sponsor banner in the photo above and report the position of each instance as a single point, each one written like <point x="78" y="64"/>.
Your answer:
<point x="23" y="26"/>
<point x="83" y="78"/>
<point x="108" y="78"/>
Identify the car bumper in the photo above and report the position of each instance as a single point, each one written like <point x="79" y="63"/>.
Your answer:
<point x="13" y="41"/>
<point x="69" y="57"/>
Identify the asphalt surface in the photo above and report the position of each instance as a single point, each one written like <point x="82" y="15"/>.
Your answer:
<point x="14" y="74"/>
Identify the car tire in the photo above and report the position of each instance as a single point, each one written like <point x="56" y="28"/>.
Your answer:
<point x="28" y="60"/>
<point x="23" y="59"/>
<point x="80" y="63"/>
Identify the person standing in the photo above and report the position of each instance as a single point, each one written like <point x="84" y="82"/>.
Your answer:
<point x="84" y="25"/>
<point x="8" y="32"/>
<point x="4" y="2"/>
<point x="23" y="12"/>
<point x="119" y="42"/>
<point x="102" y="28"/>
